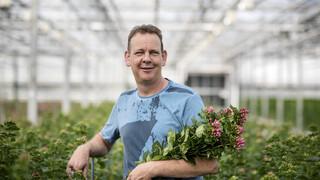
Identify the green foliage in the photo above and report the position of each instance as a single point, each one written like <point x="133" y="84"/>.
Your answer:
<point x="42" y="152"/>
<point x="296" y="157"/>
<point x="243" y="165"/>
<point x="8" y="148"/>
<point x="272" y="153"/>
<point x="290" y="111"/>
<point x="311" y="112"/>
<point x="272" y="108"/>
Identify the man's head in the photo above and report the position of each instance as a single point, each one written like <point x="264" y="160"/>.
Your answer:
<point x="143" y="29"/>
<point x="145" y="54"/>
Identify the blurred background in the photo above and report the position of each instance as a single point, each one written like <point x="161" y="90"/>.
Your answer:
<point x="259" y="54"/>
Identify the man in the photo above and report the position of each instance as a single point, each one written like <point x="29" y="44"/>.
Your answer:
<point x="144" y="115"/>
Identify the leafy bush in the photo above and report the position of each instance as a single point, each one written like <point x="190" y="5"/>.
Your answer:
<point x="272" y="153"/>
<point x="43" y="152"/>
<point x="296" y="157"/>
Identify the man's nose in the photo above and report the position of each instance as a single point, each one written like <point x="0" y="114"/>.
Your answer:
<point x="146" y="58"/>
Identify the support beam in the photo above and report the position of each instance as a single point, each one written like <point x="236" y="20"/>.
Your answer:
<point x="299" y="105"/>
<point x="85" y="88"/>
<point x="66" y="104"/>
<point x="156" y="12"/>
<point x="234" y="85"/>
<point x="32" y="91"/>
<point x="280" y="87"/>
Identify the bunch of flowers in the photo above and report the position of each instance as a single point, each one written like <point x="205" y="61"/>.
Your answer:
<point x="213" y="134"/>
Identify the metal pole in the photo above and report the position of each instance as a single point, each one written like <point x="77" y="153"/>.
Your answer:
<point x="97" y="82"/>
<point x="32" y="91"/>
<point x="234" y="89"/>
<point x="15" y="77"/>
<point x="66" y="94"/>
<point x="66" y="104"/>
<point x="92" y="168"/>
<point x="280" y="101"/>
<point x="85" y="84"/>
<point x="299" y="100"/>
<point x="265" y="97"/>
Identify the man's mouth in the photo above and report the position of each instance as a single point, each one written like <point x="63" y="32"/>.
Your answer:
<point x="146" y="68"/>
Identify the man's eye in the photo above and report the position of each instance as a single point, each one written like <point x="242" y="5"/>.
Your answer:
<point x="154" y="52"/>
<point x="138" y="53"/>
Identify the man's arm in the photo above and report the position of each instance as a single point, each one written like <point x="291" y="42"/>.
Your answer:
<point x="174" y="169"/>
<point x="96" y="147"/>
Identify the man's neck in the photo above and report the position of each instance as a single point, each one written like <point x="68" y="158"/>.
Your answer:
<point x="152" y="88"/>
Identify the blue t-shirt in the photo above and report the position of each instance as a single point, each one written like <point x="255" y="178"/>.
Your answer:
<point x="141" y="121"/>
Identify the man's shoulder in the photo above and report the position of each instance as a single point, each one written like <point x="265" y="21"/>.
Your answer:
<point x="180" y="88"/>
<point x="129" y="92"/>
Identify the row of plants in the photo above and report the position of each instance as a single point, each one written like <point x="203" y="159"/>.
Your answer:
<point x="273" y="153"/>
<point x="42" y="152"/>
<point x="311" y="110"/>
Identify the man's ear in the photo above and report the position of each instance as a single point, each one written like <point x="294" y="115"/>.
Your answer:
<point x="127" y="58"/>
<point x="164" y="57"/>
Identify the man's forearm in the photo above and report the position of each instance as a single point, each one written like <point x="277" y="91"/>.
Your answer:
<point x="175" y="169"/>
<point x="183" y="169"/>
<point x="98" y="147"/>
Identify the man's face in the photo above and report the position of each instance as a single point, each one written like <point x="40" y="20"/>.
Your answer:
<point x="145" y="58"/>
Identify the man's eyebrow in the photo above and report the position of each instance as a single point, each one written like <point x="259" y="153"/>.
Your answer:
<point x="140" y="49"/>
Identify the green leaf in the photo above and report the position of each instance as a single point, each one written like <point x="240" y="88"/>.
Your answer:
<point x="200" y="130"/>
<point x="166" y="151"/>
<point x="156" y="148"/>
<point x="186" y="135"/>
<point x="194" y="121"/>
<point x="184" y="148"/>
<point x="158" y="157"/>
<point x="146" y="155"/>
<point x="148" y="158"/>
<point x="171" y="137"/>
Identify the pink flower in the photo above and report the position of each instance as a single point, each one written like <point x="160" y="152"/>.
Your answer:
<point x="216" y="132"/>
<point x="209" y="110"/>
<point x="240" y="142"/>
<point x="240" y="130"/>
<point x="44" y="148"/>
<point x="36" y="175"/>
<point x="215" y="124"/>
<point x="229" y="111"/>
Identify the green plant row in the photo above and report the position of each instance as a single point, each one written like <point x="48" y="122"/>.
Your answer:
<point x="42" y="152"/>
<point x="311" y="110"/>
<point x="273" y="153"/>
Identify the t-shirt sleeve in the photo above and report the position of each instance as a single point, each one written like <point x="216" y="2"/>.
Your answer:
<point x="110" y="131"/>
<point x="192" y="108"/>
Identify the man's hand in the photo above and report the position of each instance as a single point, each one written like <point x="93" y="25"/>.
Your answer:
<point x="79" y="161"/>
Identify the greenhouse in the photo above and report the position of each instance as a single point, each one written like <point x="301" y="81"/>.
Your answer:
<point x="66" y="64"/>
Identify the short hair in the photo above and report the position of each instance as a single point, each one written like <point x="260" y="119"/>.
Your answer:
<point x="143" y="29"/>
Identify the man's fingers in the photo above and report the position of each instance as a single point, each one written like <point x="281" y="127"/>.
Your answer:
<point x="69" y="171"/>
<point x="85" y="171"/>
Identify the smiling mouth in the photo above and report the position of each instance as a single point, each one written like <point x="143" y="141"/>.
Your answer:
<point x="147" y="68"/>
